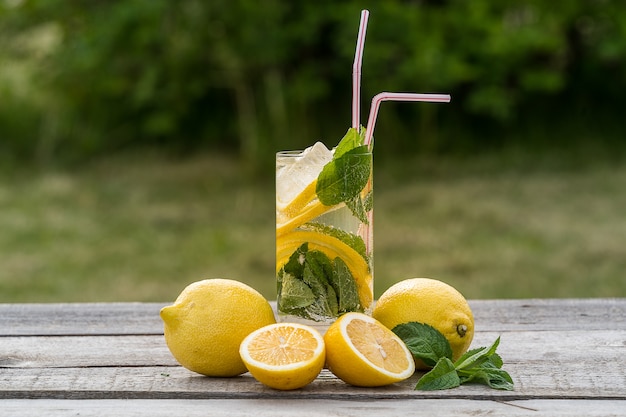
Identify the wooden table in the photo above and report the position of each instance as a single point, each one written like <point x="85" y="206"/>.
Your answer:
<point x="567" y="358"/>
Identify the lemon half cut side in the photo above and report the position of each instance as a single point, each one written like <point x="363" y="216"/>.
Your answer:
<point x="284" y="356"/>
<point x="361" y="351"/>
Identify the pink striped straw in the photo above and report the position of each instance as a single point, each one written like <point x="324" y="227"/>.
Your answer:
<point x="380" y="97"/>
<point x="356" y="70"/>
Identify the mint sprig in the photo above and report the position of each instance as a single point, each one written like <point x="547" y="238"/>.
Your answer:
<point x="424" y="341"/>
<point x="343" y="178"/>
<point x="442" y="376"/>
<point x="481" y="365"/>
<point x="312" y="286"/>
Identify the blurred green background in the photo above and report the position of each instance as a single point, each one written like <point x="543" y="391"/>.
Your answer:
<point x="137" y="141"/>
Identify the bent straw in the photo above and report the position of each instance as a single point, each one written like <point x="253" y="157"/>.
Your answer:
<point x="356" y="70"/>
<point x="380" y="97"/>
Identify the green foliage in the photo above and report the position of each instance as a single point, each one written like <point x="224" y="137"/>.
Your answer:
<point x="258" y="76"/>
<point x="139" y="227"/>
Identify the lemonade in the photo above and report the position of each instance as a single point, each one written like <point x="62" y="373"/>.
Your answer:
<point x="324" y="230"/>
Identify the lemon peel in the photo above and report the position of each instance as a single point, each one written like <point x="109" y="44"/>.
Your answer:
<point x="204" y="327"/>
<point x="311" y="211"/>
<point x="431" y="302"/>
<point x="300" y="201"/>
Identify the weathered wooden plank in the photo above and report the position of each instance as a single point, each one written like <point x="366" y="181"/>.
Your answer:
<point x="314" y="408"/>
<point x="556" y="347"/>
<point x="81" y="351"/>
<point x="550" y="314"/>
<point x="143" y="318"/>
<point x="565" y="356"/>
<point x="548" y="364"/>
<point x="80" y="318"/>
<point x="177" y="383"/>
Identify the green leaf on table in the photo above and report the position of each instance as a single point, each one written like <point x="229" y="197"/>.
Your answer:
<point x="442" y="376"/>
<point x="475" y="357"/>
<point x="496" y="360"/>
<point x="477" y="365"/>
<point x="488" y="373"/>
<point x="484" y="365"/>
<point x="424" y="341"/>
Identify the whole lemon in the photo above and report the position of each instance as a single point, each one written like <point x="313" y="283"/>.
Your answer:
<point x="431" y="302"/>
<point x="209" y="320"/>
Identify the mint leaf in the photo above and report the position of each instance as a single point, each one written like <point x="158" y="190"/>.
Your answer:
<point x="312" y="286"/>
<point x="316" y="275"/>
<point x="424" y="341"/>
<point x="344" y="177"/>
<point x="442" y="376"/>
<point x="345" y="287"/>
<point x="475" y="357"/>
<point x="489" y="374"/>
<point x="496" y="360"/>
<point x="304" y="285"/>
<point x="477" y="365"/>
<point x="295" y="294"/>
<point x="368" y="201"/>
<point x="352" y="139"/>
<point x="295" y="264"/>
<point x="357" y="208"/>
<point x="360" y="206"/>
<point x="483" y="365"/>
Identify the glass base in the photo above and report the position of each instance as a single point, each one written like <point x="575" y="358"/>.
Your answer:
<point x="321" y="326"/>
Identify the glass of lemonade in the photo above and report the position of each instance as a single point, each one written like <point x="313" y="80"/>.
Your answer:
<point x="324" y="263"/>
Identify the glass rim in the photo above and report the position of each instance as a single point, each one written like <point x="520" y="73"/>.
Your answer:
<point x="295" y="153"/>
<point x="290" y="153"/>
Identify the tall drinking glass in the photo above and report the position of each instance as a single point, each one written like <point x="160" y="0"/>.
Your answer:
<point x="324" y="263"/>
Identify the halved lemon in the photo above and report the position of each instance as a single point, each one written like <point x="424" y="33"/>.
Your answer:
<point x="361" y="351"/>
<point x="284" y="356"/>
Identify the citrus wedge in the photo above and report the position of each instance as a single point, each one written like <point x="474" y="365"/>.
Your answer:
<point x="303" y="208"/>
<point x="333" y="248"/>
<point x="361" y="351"/>
<point x="296" y="205"/>
<point x="284" y="356"/>
<point x="309" y="212"/>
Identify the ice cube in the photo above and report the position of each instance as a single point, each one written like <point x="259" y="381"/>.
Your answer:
<point x="293" y="177"/>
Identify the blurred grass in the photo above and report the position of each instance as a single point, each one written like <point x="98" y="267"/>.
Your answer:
<point x="140" y="227"/>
